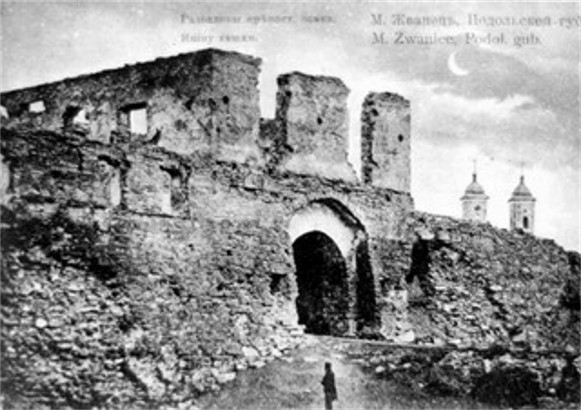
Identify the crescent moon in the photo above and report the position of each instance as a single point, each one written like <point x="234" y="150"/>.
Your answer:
<point x="454" y="67"/>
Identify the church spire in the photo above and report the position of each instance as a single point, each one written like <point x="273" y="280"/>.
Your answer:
<point x="522" y="207"/>
<point x="474" y="200"/>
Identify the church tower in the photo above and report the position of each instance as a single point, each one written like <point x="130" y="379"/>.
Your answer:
<point x="474" y="201"/>
<point x="522" y="208"/>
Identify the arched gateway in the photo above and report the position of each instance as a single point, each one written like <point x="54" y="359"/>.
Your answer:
<point x="335" y="285"/>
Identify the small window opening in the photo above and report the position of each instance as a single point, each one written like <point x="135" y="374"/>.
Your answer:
<point x="4" y="112"/>
<point x="134" y="116"/>
<point x="276" y="282"/>
<point x="477" y="208"/>
<point x="75" y="116"/>
<point x="5" y="178"/>
<point x="525" y="222"/>
<point x="400" y="138"/>
<point x="115" y="188"/>
<point x="226" y="100"/>
<point x="81" y="118"/>
<point x="319" y="120"/>
<point x="109" y="168"/>
<point x="36" y="107"/>
<point x="138" y="121"/>
<point x="178" y="195"/>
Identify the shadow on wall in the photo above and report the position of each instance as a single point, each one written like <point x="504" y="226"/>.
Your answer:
<point x="322" y="303"/>
<point x="368" y="315"/>
<point x="336" y="290"/>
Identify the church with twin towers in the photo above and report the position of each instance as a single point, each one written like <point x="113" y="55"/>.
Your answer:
<point x="521" y="205"/>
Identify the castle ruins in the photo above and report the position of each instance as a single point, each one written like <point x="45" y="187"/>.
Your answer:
<point x="158" y="235"/>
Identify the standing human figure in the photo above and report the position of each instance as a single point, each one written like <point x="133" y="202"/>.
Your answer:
<point x="329" y="388"/>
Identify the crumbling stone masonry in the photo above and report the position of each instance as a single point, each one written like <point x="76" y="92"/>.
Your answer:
<point x="385" y="141"/>
<point x="158" y="236"/>
<point x="473" y="284"/>
<point x="312" y="122"/>
<point x="154" y="243"/>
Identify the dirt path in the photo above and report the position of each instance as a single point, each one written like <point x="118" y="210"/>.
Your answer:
<point x="294" y="382"/>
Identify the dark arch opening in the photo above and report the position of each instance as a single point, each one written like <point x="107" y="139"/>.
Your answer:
<point x="420" y="266"/>
<point x="366" y="305"/>
<point x="525" y="222"/>
<point x="322" y="303"/>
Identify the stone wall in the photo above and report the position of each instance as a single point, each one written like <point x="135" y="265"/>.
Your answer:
<point x="468" y="283"/>
<point x="385" y="141"/>
<point x="493" y="377"/>
<point x="131" y="272"/>
<point x="150" y="267"/>
<point x="313" y="125"/>
<point x="198" y="102"/>
<point x="134" y="273"/>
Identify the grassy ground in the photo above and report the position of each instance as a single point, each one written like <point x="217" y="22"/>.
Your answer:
<point x="294" y="382"/>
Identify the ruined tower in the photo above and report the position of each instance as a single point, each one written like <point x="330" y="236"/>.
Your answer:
<point x="474" y="201"/>
<point x="522" y="208"/>
<point x="313" y="125"/>
<point x="385" y="141"/>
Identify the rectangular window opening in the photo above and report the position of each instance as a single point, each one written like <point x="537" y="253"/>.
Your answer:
<point x="178" y="194"/>
<point x="4" y="112"/>
<point x="36" y="107"/>
<point x="136" y="118"/>
<point x="75" y="116"/>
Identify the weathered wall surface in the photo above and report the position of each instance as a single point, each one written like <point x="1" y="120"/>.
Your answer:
<point x="385" y="141"/>
<point x="181" y="266"/>
<point x="154" y="186"/>
<point x="151" y="267"/>
<point x="313" y="125"/>
<point x="496" y="376"/>
<point x="472" y="284"/>
<point x="167" y="298"/>
<point x="198" y="102"/>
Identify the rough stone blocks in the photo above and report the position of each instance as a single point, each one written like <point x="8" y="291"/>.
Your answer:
<point x="313" y="120"/>
<point x="385" y="141"/>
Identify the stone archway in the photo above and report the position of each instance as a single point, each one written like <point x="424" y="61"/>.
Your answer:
<point x="321" y="272"/>
<point x="336" y="291"/>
